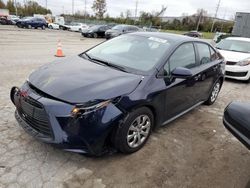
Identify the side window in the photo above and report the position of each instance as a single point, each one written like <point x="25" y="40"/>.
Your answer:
<point x="214" y="55"/>
<point x="166" y="69"/>
<point x="204" y="53"/>
<point x="184" y="56"/>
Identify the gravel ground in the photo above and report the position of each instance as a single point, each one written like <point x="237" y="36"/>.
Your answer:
<point x="193" y="151"/>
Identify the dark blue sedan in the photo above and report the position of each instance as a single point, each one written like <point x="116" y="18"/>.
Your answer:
<point x="32" y="22"/>
<point x="115" y="94"/>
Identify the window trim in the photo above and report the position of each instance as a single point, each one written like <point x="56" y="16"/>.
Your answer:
<point x="198" y="54"/>
<point x="158" y="75"/>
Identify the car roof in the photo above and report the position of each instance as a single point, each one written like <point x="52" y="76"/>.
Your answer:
<point x="174" y="38"/>
<point x="238" y="38"/>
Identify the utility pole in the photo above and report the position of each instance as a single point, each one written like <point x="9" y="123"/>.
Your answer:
<point x="85" y="9"/>
<point x="215" y="16"/>
<point x="16" y="7"/>
<point x="223" y="20"/>
<point x="46" y="2"/>
<point x="199" y="21"/>
<point x="73" y="8"/>
<point x="136" y="7"/>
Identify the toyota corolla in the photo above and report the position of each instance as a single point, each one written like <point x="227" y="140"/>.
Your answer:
<point x="114" y="94"/>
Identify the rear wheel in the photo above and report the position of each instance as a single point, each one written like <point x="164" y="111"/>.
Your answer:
<point x="135" y="131"/>
<point x="52" y="27"/>
<point x="43" y="27"/>
<point x="214" y="94"/>
<point x="95" y="35"/>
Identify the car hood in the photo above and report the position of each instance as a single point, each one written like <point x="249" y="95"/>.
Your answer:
<point x="234" y="56"/>
<point x="76" y="80"/>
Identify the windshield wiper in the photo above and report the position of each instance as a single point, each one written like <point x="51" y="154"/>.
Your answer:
<point x="99" y="61"/>
<point x="110" y="64"/>
<point x="87" y="55"/>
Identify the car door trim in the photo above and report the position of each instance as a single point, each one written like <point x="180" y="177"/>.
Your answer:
<point x="182" y="113"/>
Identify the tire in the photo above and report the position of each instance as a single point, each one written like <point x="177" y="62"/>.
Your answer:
<point x="95" y="35"/>
<point x="214" y="94"/>
<point x="50" y="27"/>
<point x="29" y="27"/>
<point x="136" y="126"/>
<point x="43" y="27"/>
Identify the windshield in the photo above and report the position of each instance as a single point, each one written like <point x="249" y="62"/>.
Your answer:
<point x="95" y="27"/>
<point x="118" y="27"/>
<point x="234" y="45"/>
<point x="132" y="52"/>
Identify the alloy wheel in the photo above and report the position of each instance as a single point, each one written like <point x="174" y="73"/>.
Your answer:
<point x="138" y="131"/>
<point x="215" y="92"/>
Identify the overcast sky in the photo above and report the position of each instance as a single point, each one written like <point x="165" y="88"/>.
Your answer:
<point x="175" y="7"/>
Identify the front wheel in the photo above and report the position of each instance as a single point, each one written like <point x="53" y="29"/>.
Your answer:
<point x="214" y="94"/>
<point x="135" y="131"/>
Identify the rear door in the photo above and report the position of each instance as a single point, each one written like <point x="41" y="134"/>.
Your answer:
<point x="208" y="70"/>
<point x="179" y="93"/>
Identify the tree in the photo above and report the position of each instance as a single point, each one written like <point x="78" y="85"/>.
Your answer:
<point x="128" y="14"/>
<point x="99" y="7"/>
<point x="10" y="5"/>
<point x="2" y="5"/>
<point x="121" y="15"/>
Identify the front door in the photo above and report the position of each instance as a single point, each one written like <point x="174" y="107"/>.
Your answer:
<point x="179" y="93"/>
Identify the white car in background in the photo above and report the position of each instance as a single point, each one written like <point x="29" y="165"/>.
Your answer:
<point x="53" y="26"/>
<point x="78" y="27"/>
<point x="236" y="51"/>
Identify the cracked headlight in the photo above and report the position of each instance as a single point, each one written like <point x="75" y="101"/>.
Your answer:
<point x="83" y="110"/>
<point x="80" y="109"/>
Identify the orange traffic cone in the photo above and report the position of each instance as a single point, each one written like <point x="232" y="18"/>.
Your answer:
<point x="59" y="52"/>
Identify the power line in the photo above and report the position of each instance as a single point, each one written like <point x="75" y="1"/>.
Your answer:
<point x="215" y="16"/>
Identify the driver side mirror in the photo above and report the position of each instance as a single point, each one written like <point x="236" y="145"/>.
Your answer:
<point x="181" y="72"/>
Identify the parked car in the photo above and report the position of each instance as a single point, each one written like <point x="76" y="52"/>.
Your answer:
<point x="5" y="21"/>
<point x="120" y="29"/>
<point x="151" y="29"/>
<point x="14" y="19"/>
<point x="32" y="22"/>
<point x="219" y="36"/>
<point x="95" y="31"/>
<point x="77" y="27"/>
<point x="53" y="26"/>
<point x="115" y="94"/>
<point x="64" y="26"/>
<point x="236" y="51"/>
<point x="194" y="34"/>
<point x="237" y="121"/>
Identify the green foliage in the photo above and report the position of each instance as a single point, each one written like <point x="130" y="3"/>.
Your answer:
<point x="29" y="8"/>
<point x="10" y="5"/>
<point x="2" y="5"/>
<point x="99" y="7"/>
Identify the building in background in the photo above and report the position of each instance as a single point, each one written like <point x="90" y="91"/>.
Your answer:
<point x="242" y="24"/>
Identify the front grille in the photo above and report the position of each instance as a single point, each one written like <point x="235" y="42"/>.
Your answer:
<point x="236" y="74"/>
<point x="33" y="113"/>
<point x="231" y="63"/>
